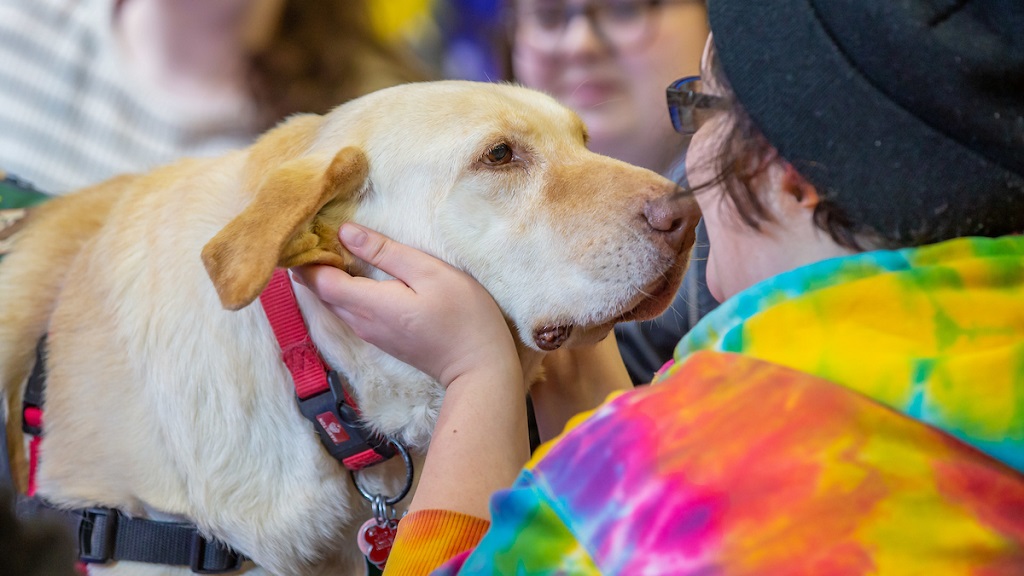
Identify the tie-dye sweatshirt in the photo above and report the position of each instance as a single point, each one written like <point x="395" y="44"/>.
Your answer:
<point x="860" y="415"/>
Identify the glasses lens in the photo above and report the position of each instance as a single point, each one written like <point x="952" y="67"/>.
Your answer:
<point x="688" y="107"/>
<point x="624" y="23"/>
<point x="540" y="24"/>
<point x="549" y="17"/>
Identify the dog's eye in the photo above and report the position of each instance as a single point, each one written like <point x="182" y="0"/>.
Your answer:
<point x="499" y="155"/>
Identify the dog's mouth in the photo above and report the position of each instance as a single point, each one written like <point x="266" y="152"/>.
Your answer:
<point x="650" y="302"/>
<point x="551" y="336"/>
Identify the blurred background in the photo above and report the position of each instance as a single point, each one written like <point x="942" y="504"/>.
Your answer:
<point x="462" y="39"/>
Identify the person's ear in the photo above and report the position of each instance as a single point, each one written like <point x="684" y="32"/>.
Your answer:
<point x="794" y="184"/>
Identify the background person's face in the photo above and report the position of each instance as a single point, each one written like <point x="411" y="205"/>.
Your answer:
<point x="619" y="93"/>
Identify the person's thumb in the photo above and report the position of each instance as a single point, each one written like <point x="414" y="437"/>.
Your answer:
<point x="378" y="250"/>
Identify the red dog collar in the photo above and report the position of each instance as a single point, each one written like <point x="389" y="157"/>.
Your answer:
<point x="319" y="390"/>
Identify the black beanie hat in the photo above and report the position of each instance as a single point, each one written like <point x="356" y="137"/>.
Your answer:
<point x="907" y="114"/>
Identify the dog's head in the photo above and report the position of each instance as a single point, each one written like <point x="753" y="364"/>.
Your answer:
<point x="494" y="179"/>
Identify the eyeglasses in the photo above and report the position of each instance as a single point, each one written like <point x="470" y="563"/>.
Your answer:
<point x="622" y="24"/>
<point x="689" y="107"/>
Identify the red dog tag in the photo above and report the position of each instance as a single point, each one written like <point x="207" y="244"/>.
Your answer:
<point x="375" y="540"/>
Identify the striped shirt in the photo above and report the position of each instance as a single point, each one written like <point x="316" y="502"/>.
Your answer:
<point x="73" y="112"/>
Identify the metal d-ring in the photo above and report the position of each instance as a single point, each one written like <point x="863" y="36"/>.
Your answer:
<point x="377" y="499"/>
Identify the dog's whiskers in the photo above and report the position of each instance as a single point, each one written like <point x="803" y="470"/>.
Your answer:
<point x="602" y="103"/>
<point x="609" y="100"/>
<point x="578" y="86"/>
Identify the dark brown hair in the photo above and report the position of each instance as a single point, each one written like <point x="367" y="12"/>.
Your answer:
<point x="745" y="153"/>
<point x="321" y="54"/>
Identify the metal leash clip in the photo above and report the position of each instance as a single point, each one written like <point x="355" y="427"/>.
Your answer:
<point x="377" y="535"/>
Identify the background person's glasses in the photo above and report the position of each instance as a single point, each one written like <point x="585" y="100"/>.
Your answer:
<point x="689" y="107"/>
<point x="622" y="24"/>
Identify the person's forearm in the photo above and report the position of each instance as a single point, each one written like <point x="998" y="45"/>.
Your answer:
<point x="575" y="381"/>
<point x="480" y="443"/>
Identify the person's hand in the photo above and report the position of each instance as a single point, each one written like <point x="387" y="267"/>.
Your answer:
<point x="433" y="316"/>
<point x="443" y="322"/>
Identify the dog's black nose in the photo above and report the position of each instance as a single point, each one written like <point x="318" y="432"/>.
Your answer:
<point x="672" y="219"/>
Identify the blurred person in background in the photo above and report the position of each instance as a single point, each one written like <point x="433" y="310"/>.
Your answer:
<point x="610" y="60"/>
<point x="93" y="88"/>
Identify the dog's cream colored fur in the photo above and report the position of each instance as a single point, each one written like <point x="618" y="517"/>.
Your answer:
<point x="166" y="396"/>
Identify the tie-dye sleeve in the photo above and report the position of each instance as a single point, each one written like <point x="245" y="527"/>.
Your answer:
<point x="526" y="532"/>
<point x="428" y="538"/>
<point x="527" y="536"/>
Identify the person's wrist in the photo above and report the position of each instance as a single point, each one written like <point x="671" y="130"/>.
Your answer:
<point x="495" y="372"/>
<point x="493" y="355"/>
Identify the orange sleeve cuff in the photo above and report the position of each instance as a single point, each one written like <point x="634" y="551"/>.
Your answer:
<point x="427" y="539"/>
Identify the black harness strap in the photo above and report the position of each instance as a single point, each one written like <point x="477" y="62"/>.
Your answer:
<point x="106" y="535"/>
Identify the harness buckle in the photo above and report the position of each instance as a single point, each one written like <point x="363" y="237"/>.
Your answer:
<point x="341" y="433"/>
<point x="96" y="534"/>
<point x="226" y="559"/>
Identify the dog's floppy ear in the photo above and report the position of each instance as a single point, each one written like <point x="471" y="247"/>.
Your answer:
<point x="291" y="221"/>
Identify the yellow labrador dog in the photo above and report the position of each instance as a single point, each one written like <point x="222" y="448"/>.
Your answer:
<point x="166" y="395"/>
